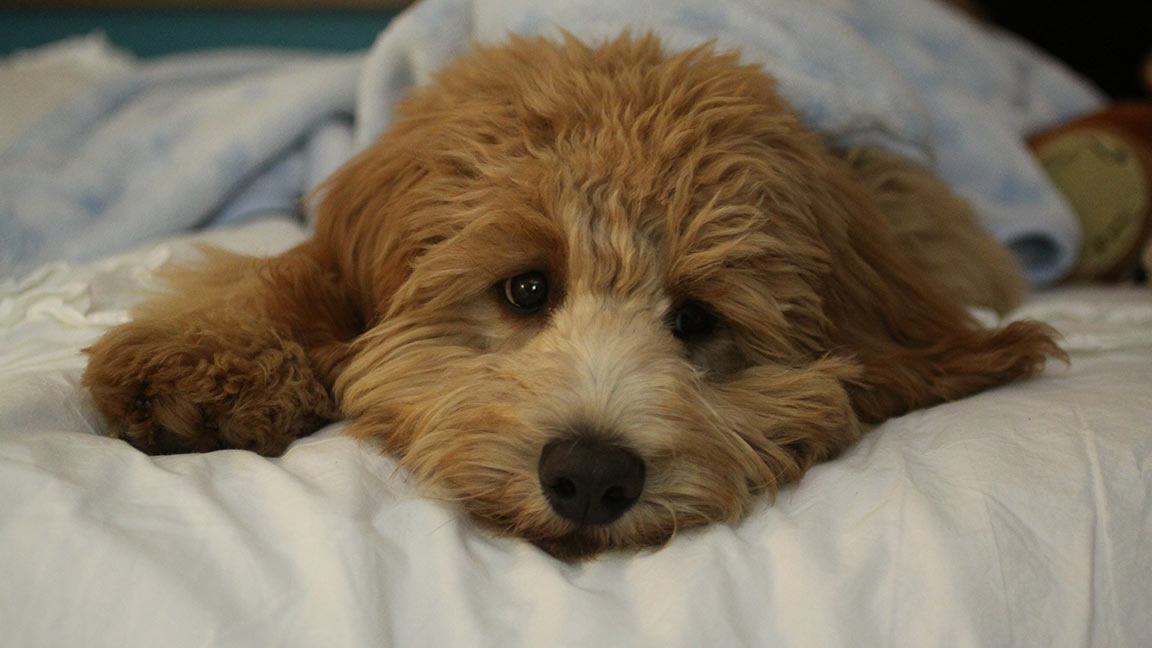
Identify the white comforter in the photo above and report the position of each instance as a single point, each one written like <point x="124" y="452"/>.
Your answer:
<point x="1019" y="517"/>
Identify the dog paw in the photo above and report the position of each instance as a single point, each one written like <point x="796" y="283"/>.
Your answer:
<point x="197" y="385"/>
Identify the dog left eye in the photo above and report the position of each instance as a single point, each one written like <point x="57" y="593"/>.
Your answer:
<point x="527" y="292"/>
<point x="692" y="320"/>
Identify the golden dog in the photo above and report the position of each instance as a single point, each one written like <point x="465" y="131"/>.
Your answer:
<point x="595" y="294"/>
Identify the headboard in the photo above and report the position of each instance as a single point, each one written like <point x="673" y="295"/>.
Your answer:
<point x="158" y="27"/>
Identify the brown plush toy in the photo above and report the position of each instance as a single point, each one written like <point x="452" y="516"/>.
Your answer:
<point x="1102" y="164"/>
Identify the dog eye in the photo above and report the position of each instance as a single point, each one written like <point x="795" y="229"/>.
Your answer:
<point x="527" y="292"/>
<point x="692" y="320"/>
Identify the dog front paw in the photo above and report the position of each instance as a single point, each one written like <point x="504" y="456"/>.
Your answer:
<point x="199" y="384"/>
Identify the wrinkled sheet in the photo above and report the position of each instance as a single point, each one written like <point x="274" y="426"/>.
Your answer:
<point x="1018" y="517"/>
<point x="206" y="139"/>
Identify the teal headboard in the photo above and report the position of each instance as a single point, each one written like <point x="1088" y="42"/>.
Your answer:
<point x="151" y="32"/>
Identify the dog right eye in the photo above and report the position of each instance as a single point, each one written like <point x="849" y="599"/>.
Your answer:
<point x="692" y="320"/>
<point x="527" y="292"/>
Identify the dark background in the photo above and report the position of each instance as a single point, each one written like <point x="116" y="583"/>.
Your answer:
<point x="1105" y="40"/>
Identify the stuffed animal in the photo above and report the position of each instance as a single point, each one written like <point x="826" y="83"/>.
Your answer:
<point x="1102" y="163"/>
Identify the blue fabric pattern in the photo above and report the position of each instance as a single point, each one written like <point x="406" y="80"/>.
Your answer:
<point x="200" y="140"/>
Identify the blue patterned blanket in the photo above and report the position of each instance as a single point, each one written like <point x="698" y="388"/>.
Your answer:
<point x="205" y="139"/>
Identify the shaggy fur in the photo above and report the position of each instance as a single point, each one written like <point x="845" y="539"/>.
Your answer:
<point x="636" y="182"/>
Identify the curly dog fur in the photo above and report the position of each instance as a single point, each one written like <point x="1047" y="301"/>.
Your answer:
<point x="595" y="294"/>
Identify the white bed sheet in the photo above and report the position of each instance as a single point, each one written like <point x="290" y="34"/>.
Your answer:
<point x="1018" y="517"/>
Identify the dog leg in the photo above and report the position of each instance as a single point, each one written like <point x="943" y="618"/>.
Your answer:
<point x="239" y="354"/>
<point x="908" y="262"/>
<point x="938" y="230"/>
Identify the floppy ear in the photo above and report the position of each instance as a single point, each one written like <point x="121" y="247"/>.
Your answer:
<point x="362" y="222"/>
<point x="915" y="340"/>
<point x="409" y="191"/>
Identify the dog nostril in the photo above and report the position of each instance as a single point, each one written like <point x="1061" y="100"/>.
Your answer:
<point x="564" y="488"/>
<point x="588" y="481"/>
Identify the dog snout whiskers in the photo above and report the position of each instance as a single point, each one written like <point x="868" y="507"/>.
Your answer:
<point x="589" y="481"/>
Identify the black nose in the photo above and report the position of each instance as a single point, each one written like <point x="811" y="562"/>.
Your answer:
<point x="589" y="481"/>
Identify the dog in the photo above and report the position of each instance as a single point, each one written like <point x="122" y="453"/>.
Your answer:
<point x="595" y="294"/>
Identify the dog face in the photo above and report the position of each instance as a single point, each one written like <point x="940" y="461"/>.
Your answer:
<point x="614" y="294"/>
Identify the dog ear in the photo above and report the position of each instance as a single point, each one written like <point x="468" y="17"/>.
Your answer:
<point x="361" y="219"/>
<point x="404" y="194"/>
<point x="916" y="342"/>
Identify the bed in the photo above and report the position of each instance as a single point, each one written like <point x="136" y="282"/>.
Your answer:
<point x="1018" y="517"/>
